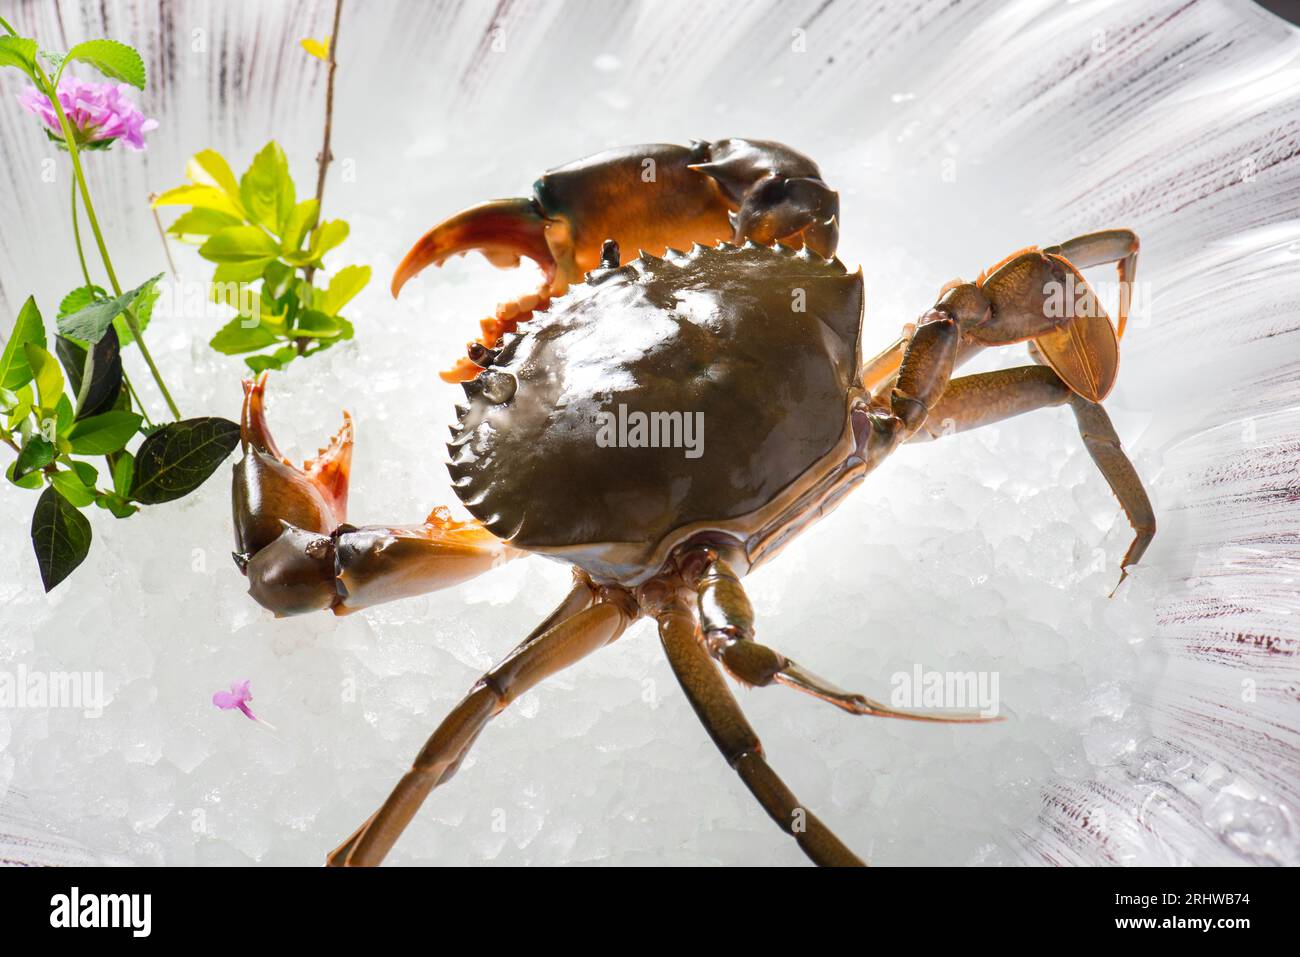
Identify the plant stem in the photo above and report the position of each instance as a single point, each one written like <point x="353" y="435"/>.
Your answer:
<point x="167" y="250"/>
<point x="76" y="235"/>
<point x="85" y="274"/>
<point x="131" y="321"/>
<point x="325" y="155"/>
<point x="135" y="398"/>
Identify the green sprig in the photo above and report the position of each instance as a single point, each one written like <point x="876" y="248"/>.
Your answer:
<point x="58" y="408"/>
<point x="266" y="247"/>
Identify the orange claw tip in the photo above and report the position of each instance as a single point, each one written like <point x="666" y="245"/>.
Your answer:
<point x="253" y="429"/>
<point x="502" y="230"/>
<point x="462" y="371"/>
<point x="330" y="470"/>
<point x="327" y="473"/>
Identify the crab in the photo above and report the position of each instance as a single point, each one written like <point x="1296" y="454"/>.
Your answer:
<point x="754" y="334"/>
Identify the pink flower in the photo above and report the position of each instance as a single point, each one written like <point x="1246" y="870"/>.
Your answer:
<point x="237" y="697"/>
<point x="99" y="113"/>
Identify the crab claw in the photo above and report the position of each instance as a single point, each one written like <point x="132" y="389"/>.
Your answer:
<point x="503" y="230"/>
<point x="653" y="197"/>
<point x="779" y="192"/>
<point x="269" y="492"/>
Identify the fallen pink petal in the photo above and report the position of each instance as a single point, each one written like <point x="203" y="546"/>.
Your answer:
<point x="237" y="697"/>
<point x="98" y="112"/>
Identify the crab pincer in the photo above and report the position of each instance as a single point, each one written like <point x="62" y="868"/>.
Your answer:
<point x="293" y="542"/>
<point x="284" y="514"/>
<point x="649" y="198"/>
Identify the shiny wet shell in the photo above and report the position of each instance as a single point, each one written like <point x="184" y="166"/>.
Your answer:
<point x="752" y="353"/>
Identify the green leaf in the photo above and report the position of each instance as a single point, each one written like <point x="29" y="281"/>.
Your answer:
<point x="30" y="480"/>
<point x="267" y="190"/>
<point x="91" y="322"/>
<point x="235" y="272"/>
<point x="60" y="537"/>
<point x="240" y="244"/>
<point x="46" y="372"/>
<point x="113" y="59"/>
<point x="235" y="338"/>
<point x="80" y="298"/>
<point x="201" y="197"/>
<point x="209" y="168"/>
<point x="277" y="280"/>
<point x="143" y="308"/>
<point x="63" y="419"/>
<point x="23" y="407"/>
<point x="327" y="236"/>
<point x="188" y="227"/>
<point x="300" y="222"/>
<point x="72" y="488"/>
<point x="86" y="472"/>
<point x="316" y="325"/>
<point x="72" y="356"/>
<point x="116" y="504"/>
<point x="19" y="52"/>
<point x="344" y="286"/>
<point x="36" y="454"/>
<point x="105" y="362"/>
<point x="15" y="371"/>
<point x="324" y="238"/>
<point x="276" y="360"/>
<point x="103" y="433"/>
<point x="123" y="471"/>
<point x="179" y="457"/>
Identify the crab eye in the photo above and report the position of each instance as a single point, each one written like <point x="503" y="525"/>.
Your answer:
<point x="498" y="387"/>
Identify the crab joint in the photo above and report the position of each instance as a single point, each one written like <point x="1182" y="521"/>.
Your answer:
<point x="727" y="621"/>
<point x="295" y="573"/>
<point x="927" y="367"/>
<point x="379" y="563"/>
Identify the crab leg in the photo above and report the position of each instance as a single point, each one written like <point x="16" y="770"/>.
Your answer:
<point x="973" y="401"/>
<point x="578" y="599"/>
<point x="727" y="622"/>
<point x="1119" y="246"/>
<point x="537" y="658"/>
<point x="1082" y="348"/>
<point x="1009" y="305"/>
<point x="725" y="722"/>
<point x="977" y="400"/>
<point x="883" y="367"/>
